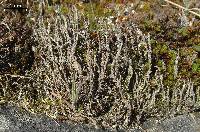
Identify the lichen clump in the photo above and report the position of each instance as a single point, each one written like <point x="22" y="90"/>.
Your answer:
<point x="114" y="72"/>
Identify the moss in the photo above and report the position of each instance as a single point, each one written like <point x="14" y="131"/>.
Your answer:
<point x="145" y="6"/>
<point x="196" y="48"/>
<point x="163" y="48"/>
<point x="183" y="31"/>
<point x="196" y="66"/>
<point x="160" y="63"/>
<point x="64" y="10"/>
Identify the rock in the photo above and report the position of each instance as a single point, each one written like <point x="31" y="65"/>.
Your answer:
<point x="14" y="119"/>
<point x="181" y="123"/>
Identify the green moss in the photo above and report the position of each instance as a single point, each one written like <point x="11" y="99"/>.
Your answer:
<point x="163" y="48"/>
<point x="160" y="63"/>
<point x="183" y="31"/>
<point x="196" y="48"/>
<point x="145" y="6"/>
<point x="50" y="9"/>
<point x="196" y="66"/>
<point x="64" y="10"/>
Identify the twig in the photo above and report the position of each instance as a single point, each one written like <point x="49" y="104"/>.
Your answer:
<point x="179" y="6"/>
<point x="17" y="76"/>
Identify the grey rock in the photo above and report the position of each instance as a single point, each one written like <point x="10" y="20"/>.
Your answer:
<point x="12" y="119"/>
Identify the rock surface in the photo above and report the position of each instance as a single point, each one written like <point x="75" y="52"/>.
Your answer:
<point x="12" y="119"/>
